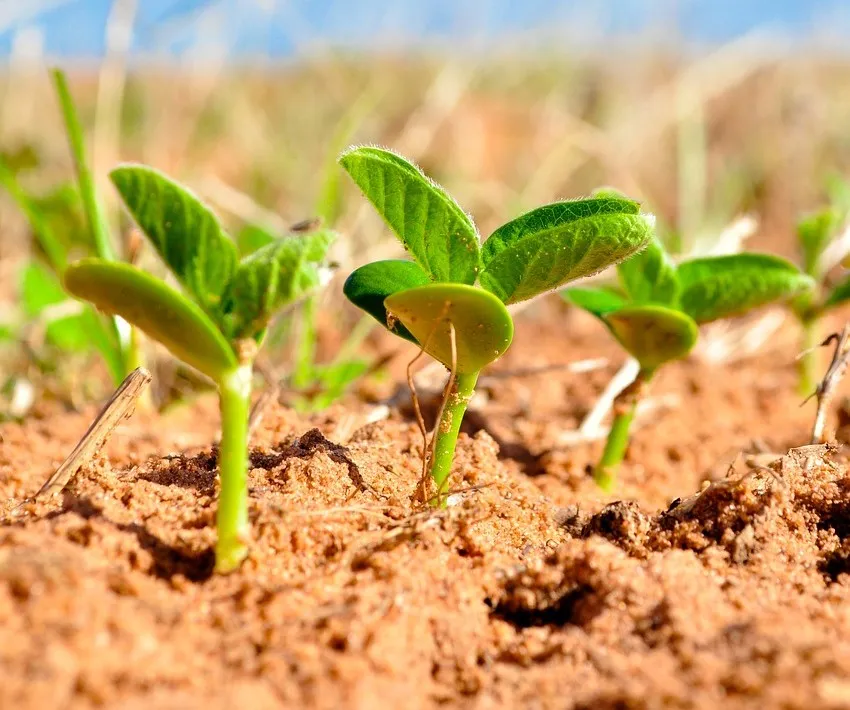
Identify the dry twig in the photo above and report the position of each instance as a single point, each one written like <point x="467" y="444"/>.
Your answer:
<point x="120" y="407"/>
<point x="834" y="374"/>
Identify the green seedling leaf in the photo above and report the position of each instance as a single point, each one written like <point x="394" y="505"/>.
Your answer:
<point x="653" y="335"/>
<point x="650" y="276"/>
<point x="368" y="287"/>
<point x="183" y="230"/>
<point x="272" y="277"/>
<point x="814" y="232"/>
<point x="840" y="294"/>
<point x="433" y="228"/>
<point x="551" y="245"/>
<point x="607" y="192"/>
<point x="47" y="239"/>
<point x="157" y="309"/>
<point x="40" y="289"/>
<point x="483" y="326"/>
<point x="104" y="339"/>
<point x="597" y="301"/>
<point x="21" y="158"/>
<point x="723" y="286"/>
<point x="251" y="238"/>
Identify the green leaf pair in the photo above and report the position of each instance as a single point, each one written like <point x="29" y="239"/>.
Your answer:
<point x="230" y="300"/>
<point x="815" y="233"/>
<point x="433" y="299"/>
<point x="657" y="309"/>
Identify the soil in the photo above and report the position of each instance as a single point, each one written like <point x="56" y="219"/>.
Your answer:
<point x="698" y="585"/>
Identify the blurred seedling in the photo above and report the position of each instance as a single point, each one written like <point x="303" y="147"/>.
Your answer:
<point x="824" y="242"/>
<point x="220" y="323"/>
<point x="656" y="312"/>
<point x="309" y="385"/>
<point x="67" y="220"/>
<point x="434" y="302"/>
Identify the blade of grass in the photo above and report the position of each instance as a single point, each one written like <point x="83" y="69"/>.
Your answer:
<point x="48" y="241"/>
<point x="93" y="209"/>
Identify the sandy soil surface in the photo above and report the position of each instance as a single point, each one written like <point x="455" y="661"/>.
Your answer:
<point x="532" y="590"/>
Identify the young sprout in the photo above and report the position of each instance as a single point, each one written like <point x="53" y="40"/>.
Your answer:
<point x="655" y="315"/>
<point x="434" y="302"/>
<point x="218" y="326"/>
<point x="821" y="251"/>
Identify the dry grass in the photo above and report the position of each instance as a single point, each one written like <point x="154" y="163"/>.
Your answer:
<point x="701" y="140"/>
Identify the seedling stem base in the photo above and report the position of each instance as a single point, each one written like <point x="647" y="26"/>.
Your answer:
<point x="625" y="406"/>
<point x="232" y="518"/>
<point x="446" y="433"/>
<point x="809" y="357"/>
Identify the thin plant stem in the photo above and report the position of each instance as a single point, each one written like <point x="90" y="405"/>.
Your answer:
<point x="305" y="344"/>
<point x="605" y="473"/>
<point x="448" y="427"/>
<point x="625" y="406"/>
<point x="807" y="364"/>
<point x="93" y="209"/>
<point x="423" y="430"/>
<point x="88" y="192"/>
<point x="232" y="517"/>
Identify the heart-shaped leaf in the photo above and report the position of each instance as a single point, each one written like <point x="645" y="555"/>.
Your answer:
<point x="183" y="230"/>
<point x="551" y="245"/>
<point x="722" y="286"/>
<point x="650" y="276"/>
<point x="653" y="335"/>
<point x="814" y="232"/>
<point x="483" y="326"/>
<point x="597" y="301"/>
<point x="840" y="294"/>
<point x="160" y="311"/>
<point x="273" y="277"/>
<point x="431" y="225"/>
<point x="369" y="286"/>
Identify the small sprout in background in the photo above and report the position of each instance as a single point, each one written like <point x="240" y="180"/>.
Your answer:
<point x="67" y="220"/>
<point x="823" y="245"/>
<point x="310" y="386"/>
<point x="434" y="302"/>
<point x="656" y="311"/>
<point x="218" y="326"/>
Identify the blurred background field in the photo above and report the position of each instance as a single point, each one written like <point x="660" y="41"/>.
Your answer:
<point x="706" y="111"/>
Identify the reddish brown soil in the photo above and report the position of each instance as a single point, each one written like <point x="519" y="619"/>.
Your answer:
<point x="533" y="590"/>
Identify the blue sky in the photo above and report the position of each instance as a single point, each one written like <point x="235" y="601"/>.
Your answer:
<point x="76" y="28"/>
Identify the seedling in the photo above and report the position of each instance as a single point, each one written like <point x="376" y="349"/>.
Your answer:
<point x="821" y="251"/>
<point x="218" y="326"/>
<point x="310" y="385"/>
<point x="434" y="302"/>
<point x="656" y="311"/>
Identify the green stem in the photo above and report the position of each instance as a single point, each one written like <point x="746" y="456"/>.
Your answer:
<point x="88" y="192"/>
<point x="305" y="346"/>
<point x="447" y="431"/>
<point x="93" y="209"/>
<point x="605" y="473"/>
<point x="232" y="519"/>
<point x="808" y="365"/>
